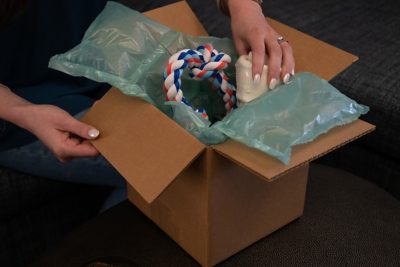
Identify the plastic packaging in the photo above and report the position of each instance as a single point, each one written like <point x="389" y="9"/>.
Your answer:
<point x="289" y="115"/>
<point x="129" y="51"/>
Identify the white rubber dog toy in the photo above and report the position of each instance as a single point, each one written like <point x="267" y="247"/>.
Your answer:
<point x="246" y="90"/>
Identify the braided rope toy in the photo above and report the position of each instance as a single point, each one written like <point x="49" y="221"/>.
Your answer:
<point x="204" y="63"/>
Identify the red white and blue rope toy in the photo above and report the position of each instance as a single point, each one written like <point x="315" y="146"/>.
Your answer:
<point x="204" y="63"/>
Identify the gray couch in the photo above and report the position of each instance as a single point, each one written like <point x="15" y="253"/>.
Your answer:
<point x="35" y="213"/>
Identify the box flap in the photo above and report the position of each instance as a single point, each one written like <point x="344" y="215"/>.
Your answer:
<point x="171" y="16"/>
<point x="143" y="144"/>
<point x="271" y="168"/>
<point x="313" y="55"/>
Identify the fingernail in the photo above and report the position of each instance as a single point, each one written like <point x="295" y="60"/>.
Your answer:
<point x="93" y="133"/>
<point x="292" y="72"/>
<point x="273" y="83"/>
<point x="257" y="79"/>
<point x="286" y="78"/>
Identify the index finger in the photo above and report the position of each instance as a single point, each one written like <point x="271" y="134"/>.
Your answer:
<point x="258" y="54"/>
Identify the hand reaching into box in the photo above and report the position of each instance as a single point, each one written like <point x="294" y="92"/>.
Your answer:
<point x="251" y="32"/>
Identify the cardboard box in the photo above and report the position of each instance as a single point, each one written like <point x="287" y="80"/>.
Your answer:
<point x="213" y="200"/>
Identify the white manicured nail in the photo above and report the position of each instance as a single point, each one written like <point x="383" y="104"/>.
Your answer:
<point x="286" y="78"/>
<point x="257" y="79"/>
<point x="292" y="71"/>
<point x="273" y="83"/>
<point x="93" y="133"/>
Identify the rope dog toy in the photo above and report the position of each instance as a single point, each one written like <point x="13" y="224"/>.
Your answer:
<point x="204" y="63"/>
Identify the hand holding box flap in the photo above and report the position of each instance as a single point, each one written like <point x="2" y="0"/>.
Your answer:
<point x="144" y="145"/>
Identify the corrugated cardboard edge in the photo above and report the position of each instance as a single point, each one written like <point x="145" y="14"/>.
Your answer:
<point x="270" y="168"/>
<point x="326" y="65"/>
<point x="373" y="127"/>
<point x="300" y="42"/>
<point x="209" y="154"/>
<point x="245" y="208"/>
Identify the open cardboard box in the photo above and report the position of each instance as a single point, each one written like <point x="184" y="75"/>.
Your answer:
<point x="213" y="200"/>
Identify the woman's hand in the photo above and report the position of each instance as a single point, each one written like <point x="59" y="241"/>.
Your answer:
<point x="64" y="135"/>
<point x="251" y="32"/>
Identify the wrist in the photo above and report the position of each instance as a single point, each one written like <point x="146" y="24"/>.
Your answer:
<point x="230" y="7"/>
<point x="21" y="114"/>
<point x="12" y="107"/>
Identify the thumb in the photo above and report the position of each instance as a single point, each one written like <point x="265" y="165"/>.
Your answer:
<point x="81" y="129"/>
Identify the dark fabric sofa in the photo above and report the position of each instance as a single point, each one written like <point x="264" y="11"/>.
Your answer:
<point x="35" y="212"/>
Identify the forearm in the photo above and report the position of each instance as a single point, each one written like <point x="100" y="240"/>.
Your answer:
<point x="12" y="107"/>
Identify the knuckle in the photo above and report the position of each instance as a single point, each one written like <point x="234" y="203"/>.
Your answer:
<point x="288" y="51"/>
<point x="258" y="30"/>
<point x="285" y="44"/>
<point x="276" y="50"/>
